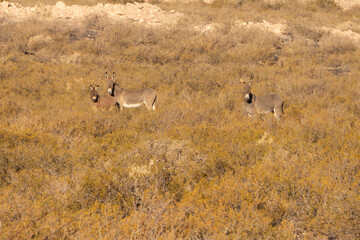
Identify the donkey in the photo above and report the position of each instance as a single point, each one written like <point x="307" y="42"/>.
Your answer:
<point x="262" y="104"/>
<point x="131" y="98"/>
<point x="104" y="102"/>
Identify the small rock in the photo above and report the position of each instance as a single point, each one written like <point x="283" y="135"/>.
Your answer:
<point x="209" y="1"/>
<point x="60" y="5"/>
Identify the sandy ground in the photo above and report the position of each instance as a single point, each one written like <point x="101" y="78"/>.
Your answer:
<point x="150" y="15"/>
<point x="143" y="13"/>
<point x="347" y="4"/>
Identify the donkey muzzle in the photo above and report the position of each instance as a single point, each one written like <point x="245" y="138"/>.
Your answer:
<point x="110" y="91"/>
<point x="247" y="97"/>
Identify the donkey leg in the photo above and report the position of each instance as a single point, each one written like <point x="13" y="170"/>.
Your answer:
<point x="278" y="112"/>
<point x="117" y="105"/>
<point x="153" y="102"/>
<point x="150" y="104"/>
<point x="147" y="105"/>
<point x="153" y="105"/>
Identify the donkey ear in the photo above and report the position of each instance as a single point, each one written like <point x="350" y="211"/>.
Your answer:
<point x="91" y="87"/>
<point x="106" y="75"/>
<point x="97" y="87"/>
<point x="242" y="81"/>
<point x="113" y="76"/>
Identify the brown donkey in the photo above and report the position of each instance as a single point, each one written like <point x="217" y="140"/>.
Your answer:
<point x="101" y="102"/>
<point x="131" y="98"/>
<point x="262" y="104"/>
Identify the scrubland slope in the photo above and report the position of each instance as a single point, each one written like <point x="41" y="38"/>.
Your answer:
<point x="198" y="167"/>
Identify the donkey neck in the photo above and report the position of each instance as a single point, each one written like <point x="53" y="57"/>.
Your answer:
<point x="251" y="99"/>
<point x="117" y="90"/>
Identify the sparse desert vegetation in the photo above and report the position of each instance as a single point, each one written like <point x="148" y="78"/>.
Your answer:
<point x="198" y="167"/>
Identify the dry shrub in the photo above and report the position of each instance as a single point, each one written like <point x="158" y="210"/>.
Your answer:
<point x="306" y="30"/>
<point x="337" y="45"/>
<point x="327" y="4"/>
<point x="274" y="4"/>
<point x="197" y="167"/>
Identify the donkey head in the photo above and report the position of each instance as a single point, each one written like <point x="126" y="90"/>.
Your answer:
<point x="94" y="96"/>
<point x="111" y="83"/>
<point x="246" y="89"/>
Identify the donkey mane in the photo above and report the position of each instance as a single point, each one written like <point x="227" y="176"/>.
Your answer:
<point x="120" y="89"/>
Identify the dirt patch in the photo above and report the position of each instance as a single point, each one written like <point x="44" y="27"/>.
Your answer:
<point x="143" y="13"/>
<point x="355" y="37"/>
<point x="150" y="15"/>
<point x="347" y="4"/>
<point x="276" y="28"/>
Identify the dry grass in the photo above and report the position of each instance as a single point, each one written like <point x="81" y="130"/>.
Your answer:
<point x="195" y="168"/>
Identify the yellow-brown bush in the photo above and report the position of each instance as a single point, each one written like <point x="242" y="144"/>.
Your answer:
<point x="197" y="167"/>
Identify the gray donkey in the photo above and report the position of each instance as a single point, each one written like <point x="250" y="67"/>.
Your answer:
<point x="101" y="102"/>
<point x="262" y="104"/>
<point x="131" y="98"/>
